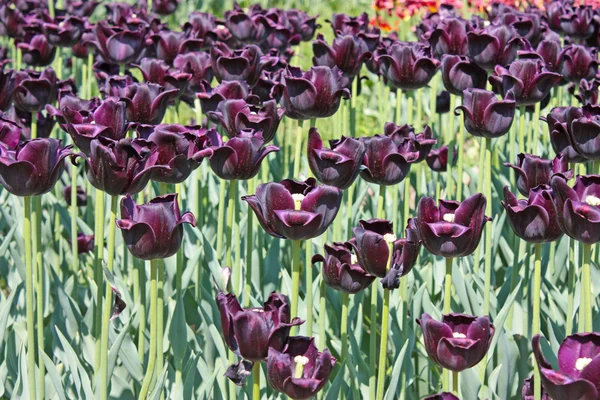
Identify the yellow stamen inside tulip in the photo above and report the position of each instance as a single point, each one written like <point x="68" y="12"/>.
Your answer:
<point x="389" y="237"/>
<point x="592" y="201"/>
<point x="459" y="335"/>
<point x="353" y="259"/>
<point x="300" y="361"/>
<point x="298" y="197"/>
<point x="448" y="217"/>
<point x="133" y="15"/>
<point x="581" y="363"/>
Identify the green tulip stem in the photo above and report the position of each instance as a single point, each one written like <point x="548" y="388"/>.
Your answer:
<point x="140" y="275"/>
<point x="99" y="245"/>
<point x="256" y="381"/>
<point x="353" y="102"/>
<point x="309" y="291"/>
<point x="381" y="201"/>
<point x="36" y="217"/>
<point x="221" y="216"/>
<point x="122" y="69"/>
<point x="59" y="63"/>
<point x="476" y="257"/>
<point x="179" y="255"/>
<point x="90" y="74"/>
<point x="349" y="210"/>
<point x="537" y="287"/>
<point x="152" y="349"/>
<point x="235" y="273"/>
<point x="51" y="8"/>
<point x="295" y="281"/>
<point x="385" y="315"/>
<point x="160" y="312"/>
<point x="448" y="287"/>
<point x="73" y="209"/>
<point x="455" y="382"/>
<point x="489" y="230"/>
<point x="380" y="113"/>
<point x="535" y="129"/>
<point x="398" y="113"/>
<point x="406" y="200"/>
<point x="586" y="289"/>
<point x="521" y="131"/>
<point x="298" y="150"/>
<point x="149" y="6"/>
<point x="518" y="251"/>
<point x="104" y="378"/>
<point x="29" y="293"/>
<point x="451" y="144"/>
<point x="344" y="327"/>
<point x="249" y="247"/>
<point x="461" y="160"/>
<point x="570" y="288"/>
<point x="513" y="151"/>
<point x="432" y="101"/>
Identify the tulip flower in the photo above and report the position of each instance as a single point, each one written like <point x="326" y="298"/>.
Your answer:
<point x="527" y="25"/>
<point x="549" y="51"/>
<point x="33" y="167"/>
<point x="315" y="93"/>
<point x="449" y="37"/>
<point x="578" y="376"/>
<point x="299" y="370"/>
<point x="237" y="115"/>
<point x="37" y="52"/>
<point x="459" y="341"/>
<point x="341" y="269"/>
<point x="157" y="71"/>
<point x="559" y="134"/>
<point x="343" y="24"/>
<point x="153" y="230"/>
<point x="577" y="207"/>
<point x="437" y="159"/>
<point x="119" y="46"/>
<point x="459" y="73"/>
<point x="204" y="26"/>
<point x="579" y="63"/>
<point x="406" y="139"/>
<point x="10" y="132"/>
<point x="485" y="115"/>
<point x="33" y="90"/>
<point x="374" y="239"/>
<point x="583" y="127"/>
<point x="147" y="102"/>
<point x="65" y="33"/>
<point x="72" y="109"/>
<point x="555" y="10"/>
<point x="246" y="28"/>
<point x="7" y="84"/>
<point x="85" y="243"/>
<point x="533" y="171"/>
<point x="226" y="90"/>
<point x="301" y="23"/>
<point x="199" y="66"/>
<point x="442" y="396"/>
<point x="588" y="91"/>
<point x="338" y="166"/>
<point x="81" y="8"/>
<point x="527" y="390"/>
<point x="81" y="195"/>
<point x="169" y="44"/>
<point x="295" y="210"/>
<point x="578" y="23"/>
<point x="534" y="219"/>
<point x="452" y="229"/>
<point x="494" y="45"/>
<point x="529" y="81"/>
<point x="407" y="66"/>
<point x="385" y="161"/>
<point x="442" y="102"/>
<point x="120" y="167"/>
<point x="12" y="21"/>
<point x="347" y="52"/>
<point x="165" y="7"/>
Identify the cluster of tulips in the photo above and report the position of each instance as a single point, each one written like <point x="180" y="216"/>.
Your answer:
<point x="118" y="89"/>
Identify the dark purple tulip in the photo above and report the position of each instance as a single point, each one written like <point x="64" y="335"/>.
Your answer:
<point x="495" y="45"/>
<point x="85" y="243"/>
<point x="386" y="162"/>
<point x="65" y="32"/>
<point x="301" y="23"/>
<point x="73" y="110"/>
<point x="459" y="73"/>
<point x="240" y="156"/>
<point x="451" y="229"/>
<point x="282" y="368"/>
<point x="549" y="51"/>
<point x="147" y="102"/>
<point x="485" y="115"/>
<point x="578" y="376"/>
<point x="407" y="66"/>
<point x="554" y="11"/>
<point x="33" y="90"/>
<point x="449" y="37"/>
<point x="34" y="167"/>
<point x="250" y="332"/>
<point x="559" y="134"/>
<point x="10" y="132"/>
<point x="338" y="166"/>
<point x="247" y="28"/>
<point x="315" y="93"/>
<point x="237" y="115"/>
<point x="578" y="22"/>
<point x="238" y="65"/>
<point x="583" y="127"/>
<point x="7" y="84"/>
<point x="81" y="195"/>
<point x="341" y="270"/>
<point x="343" y="24"/>
<point x="532" y="171"/>
<point x="198" y="65"/>
<point x="442" y="396"/>
<point x="119" y="46"/>
<point x="459" y="341"/>
<point x="153" y="230"/>
<point x="120" y="167"/>
<point x="346" y="52"/>
<point x="226" y="90"/>
<point x="12" y="21"/>
<point x="528" y="25"/>
<point x="587" y="91"/>
<point x="157" y="71"/>
<point x="280" y="39"/>
<point x="374" y="238"/>
<point x="113" y="85"/>
<point x="528" y="80"/>
<point x="81" y="8"/>
<point x="527" y="390"/>
<point x="164" y="7"/>
<point x="45" y="123"/>
<point x="169" y="44"/>
<point x="409" y="142"/>
<point x="204" y="26"/>
<point x="437" y="160"/>
<point x="37" y="52"/>
<point x="533" y="219"/>
<point x="442" y="102"/>
<point x="578" y="208"/>
<point x="579" y="63"/>
<point x="295" y="210"/>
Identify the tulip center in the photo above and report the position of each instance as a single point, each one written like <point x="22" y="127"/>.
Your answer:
<point x="300" y="361"/>
<point x="353" y="259"/>
<point x="581" y="363"/>
<point x="389" y="238"/>
<point x="298" y="197"/>
<point x="592" y="201"/>
<point x="449" y="217"/>
<point x="459" y="335"/>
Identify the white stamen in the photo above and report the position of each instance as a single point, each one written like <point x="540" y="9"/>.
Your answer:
<point x="298" y="197"/>
<point x="353" y="259"/>
<point x="389" y="237"/>
<point x="448" y="217"/>
<point x="592" y="201"/>
<point x="459" y="335"/>
<point x="581" y="363"/>
<point x="300" y="361"/>
<point x="134" y="15"/>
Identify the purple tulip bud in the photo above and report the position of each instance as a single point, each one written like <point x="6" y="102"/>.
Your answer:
<point x="442" y="396"/>
<point x="527" y="390"/>
<point x="437" y="160"/>
<point x="555" y="10"/>
<point x="315" y="93"/>
<point x="452" y="229"/>
<point x="534" y="219"/>
<point x="165" y="7"/>
<point x="486" y="116"/>
<point x="299" y="370"/>
<point x="442" y="102"/>
<point x="147" y="102"/>
<point x="153" y="230"/>
<point x="577" y="207"/>
<point x="85" y="243"/>
<point x="169" y="44"/>
<point x="343" y="24"/>
<point x="226" y="90"/>
<point x="341" y="270"/>
<point x="7" y="84"/>
<point x="532" y="171"/>
<point x="494" y="45"/>
<point x="81" y="8"/>
<point x="12" y="21"/>
<point x="549" y="51"/>
<point x="528" y="25"/>
<point x="247" y="28"/>
<point x="583" y="127"/>
<point x="204" y="26"/>
<point x="459" y="74"/>
<point x="199" y="66"/>
<point x="37" y="52"/>
<point x="459" y="341"/>
<point x="81" y="195"/>
<point x="579" y="63"/>
<point x="407" y="66"/>
<point x="33" y="90"/>
<point x="559" y="133"/>
<point x="404" y="136"/>
<point x="65" y="33"/>
<point x="347" y="52"/>
<point x="449" y="37"/>
<point x="119" y="46"/>
<point x="295" y="210"/>
<point x="245" y="64"/>
<point x="10" y="132"/>
<point x="387" y="161"/>
<point x="338" y="166"/>
<point x="578" y="376"/>
<point x="34" y="167"/>
<point x="588" y="91"/>
<point x="298" y="21"/>
<point x="578" y="22"/>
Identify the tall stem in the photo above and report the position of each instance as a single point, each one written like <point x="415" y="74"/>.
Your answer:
<point x="521" y="130"/>
<point x="295" y="281"/>
<point x="152" y="349"/>
<point x="451" y="143"/>
<point x="489" y="229"/>
<point x="179" y="260"/>
<point x="104" y="378"/>
<point x="385" y="312"/>
<point x="29" y="296"/>
<point x="160" y="311"/>
<point x="249" y="247"/>
<point x="74" y="250"/>
<point x="221" y="216"/>
<point x="39" y="289"/>
<point x="309" y="291"/>
<point x="256" y="381"/>
<point x="344" y="326"/>
<point x="455" y="382"/>
<point x="99" y="244"/>
<point x="537" y="286"/>
<point x="298" y="149"/>
<point x="448" y="287"/>
<point x="461" y="157"/>
<point x="235" y="276"/>
<point x="140" y="266"/>
<point x="570" y="288"/>
<point x="535" y="130"/>
<point x="373" y="343"/>
<point x="586" y="289"/>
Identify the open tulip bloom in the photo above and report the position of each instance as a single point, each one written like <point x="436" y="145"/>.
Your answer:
<point x="532" y="171"/>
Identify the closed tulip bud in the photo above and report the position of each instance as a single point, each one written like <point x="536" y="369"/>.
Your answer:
<point x="85" y="243"/>
<point x="169" y="44"/>
<point x="33" y="90"/>
<point x="347" y="52"/>
<point x="578" y="22"/>
<point x="65" y="32"/>
<point x="406" y="139"/>
<point x="247" y="28"/>
<point x="37" y="52"/>
<point x="485" y="115"/>
<point x="81" y="195"/>
<point x="450" y="37"/>
<point x="118" y="45"/>
<point x="165" y="7"/>
<point x="559" y="133"/>
<point x="407" y="66"/>
<point x="583" y="128"/>
<point x="532" y="171"/>
<point x="459" y="73"/>
<point x="437" y="160"/>
<point x="385" y="162"/>
<point x="147" y="102"/>
<point x="549" y="51"/>
<point x="226" y="90"/>
<point x="579" y="63"/>
<point x="494" y="45"/>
